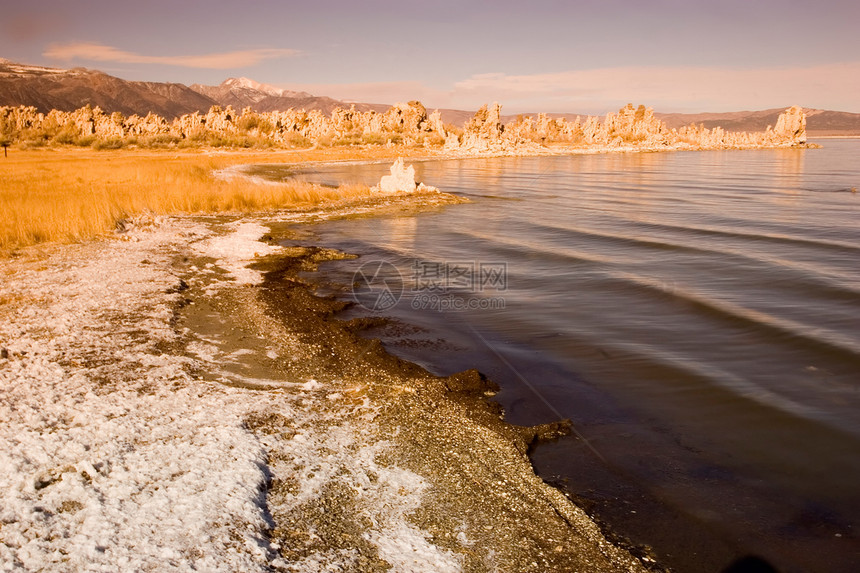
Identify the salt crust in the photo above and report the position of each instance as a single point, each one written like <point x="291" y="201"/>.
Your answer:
<point x="114" y="457"/>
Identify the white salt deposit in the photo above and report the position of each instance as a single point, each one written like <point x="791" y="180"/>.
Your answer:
<point x="114" y="457"/>
<point x="236" y="250"/>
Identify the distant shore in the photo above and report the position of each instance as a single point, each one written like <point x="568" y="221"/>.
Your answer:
<point x="813" y="136"/>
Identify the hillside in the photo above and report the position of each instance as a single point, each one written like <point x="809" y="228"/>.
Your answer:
<point x="67" y="90"/>
<point x="819" y="122"/>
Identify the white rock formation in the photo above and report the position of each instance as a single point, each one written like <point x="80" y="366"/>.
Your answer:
<point x="791" y="125"/>
<point x="401" y="180"/>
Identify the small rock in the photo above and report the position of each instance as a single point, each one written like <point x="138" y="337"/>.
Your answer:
<point x="182" y="286"/>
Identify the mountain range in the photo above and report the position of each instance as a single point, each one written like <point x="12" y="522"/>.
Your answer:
<point x="53" y="88"/>
<point x="67" y="90"/>
<point x="242" y="93"/>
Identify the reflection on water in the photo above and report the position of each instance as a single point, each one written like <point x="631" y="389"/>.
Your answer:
<point x="399" y="234"/>
<point x="696" y="314"/>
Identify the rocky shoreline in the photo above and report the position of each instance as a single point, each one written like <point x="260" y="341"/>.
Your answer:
<point x="177" y="395"/>
<point x="483" y="499"/>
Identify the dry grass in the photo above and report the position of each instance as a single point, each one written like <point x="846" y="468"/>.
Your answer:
<point x="69" y="195"/>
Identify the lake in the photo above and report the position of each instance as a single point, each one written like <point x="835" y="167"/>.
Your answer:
<point x="695" y="314"/>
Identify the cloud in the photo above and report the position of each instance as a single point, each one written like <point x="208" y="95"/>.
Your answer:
<point x="219" y="61"/>
<point x="699" y="88"/>
<point x="596" y="91"/>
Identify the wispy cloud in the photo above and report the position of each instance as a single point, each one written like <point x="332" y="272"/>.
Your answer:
<point x="675" y="87"/>
<point x="693" y="89"/>
<point x="217" y="61"/>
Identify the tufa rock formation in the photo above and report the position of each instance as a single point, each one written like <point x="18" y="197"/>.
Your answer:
<point x="484" y="130"/>
<point x="791" y="125"/>
<point x="404" y="123"/>
<point x="637" y="128"/>
<point x="401" y="180"/>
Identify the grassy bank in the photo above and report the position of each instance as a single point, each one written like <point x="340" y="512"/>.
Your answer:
<point x="71" y="194"/>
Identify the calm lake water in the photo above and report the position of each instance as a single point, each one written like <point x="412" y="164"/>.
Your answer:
<point x="695" y="314"/>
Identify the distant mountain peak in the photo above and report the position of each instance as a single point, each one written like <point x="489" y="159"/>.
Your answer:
<point x="10" y="68"/>
<point x="268" y="89"/>
<point x="242" y="92"/>
<point x="249" y="84"/>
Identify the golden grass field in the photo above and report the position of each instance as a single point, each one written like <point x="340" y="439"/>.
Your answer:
<point x="69" y="194"/>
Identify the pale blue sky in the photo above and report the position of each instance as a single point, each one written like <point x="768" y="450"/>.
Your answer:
<point x="543" y="55"/>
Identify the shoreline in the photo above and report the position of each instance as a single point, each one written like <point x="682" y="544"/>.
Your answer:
<point x="432" y="419"/>
<point x="347" y="456"/>
<point x="475" y="392"/>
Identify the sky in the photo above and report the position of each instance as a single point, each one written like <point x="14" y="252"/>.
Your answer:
<point x="578" y="56"/>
